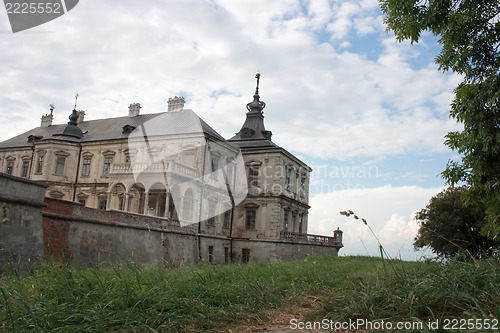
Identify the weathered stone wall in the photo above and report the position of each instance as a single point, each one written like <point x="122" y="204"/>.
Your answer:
<point x="280" y="250"/>
<point x="83" y="236"/>
<point x="21" y="238"/>
<point x="66" y="230"/>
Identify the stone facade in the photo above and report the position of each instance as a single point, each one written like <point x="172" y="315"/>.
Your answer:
<point x="66" y="230"/>
<point x="174" y="167"/>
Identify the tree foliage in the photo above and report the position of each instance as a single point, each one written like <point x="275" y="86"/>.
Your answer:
<point x="449" y="227"/>
<point x="469" y="32"/>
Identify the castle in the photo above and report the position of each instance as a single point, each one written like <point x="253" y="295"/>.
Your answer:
<point x="245" y="196"/>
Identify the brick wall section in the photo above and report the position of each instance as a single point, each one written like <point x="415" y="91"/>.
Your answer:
<point x="89" y="236"/>
<point x="56" y="239"/>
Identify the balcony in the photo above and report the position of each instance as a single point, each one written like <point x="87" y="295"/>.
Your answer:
<point x="157" y="167"/>
<point x="308" y="238"/>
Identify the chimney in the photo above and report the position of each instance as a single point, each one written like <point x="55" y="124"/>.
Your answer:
<point x="176" y="103"/>
<point x="134" y="109"/>
<point x="48" y="118"/>
<point x="81" y="115"/>
<point x="337" y="234"/>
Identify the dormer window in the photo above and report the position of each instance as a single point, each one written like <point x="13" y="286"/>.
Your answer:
<point x="127" y="129"/>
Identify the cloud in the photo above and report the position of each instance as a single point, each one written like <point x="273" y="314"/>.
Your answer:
<point x="321" y="102"/>
<point x="388" y="210"/>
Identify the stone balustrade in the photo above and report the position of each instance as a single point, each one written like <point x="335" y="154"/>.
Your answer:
<point x="155" y="167"/>
<point x="295" y="236"/>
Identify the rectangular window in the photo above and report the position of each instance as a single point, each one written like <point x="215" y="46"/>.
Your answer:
<point x="288" y="176"/>
<point x="250" y="219"/>
<point x="227" y="219"/>
<point x="253" y="176"/>
<point x="10" y="168"/>
<point x="102" y="204"/>
<point x="25" y="169"/>
<point x="285" y="222"/>
<point x="303" y="186"/>
<point x="129" y="159"/>
<point x="86" y="167"/>
<point x="39" y="164"/>
<point x="82" y="202"/>
<point x="210" y="254"/>
<point x="229" y="173"/>
<point x="245" y="255"/>
<point x="226" y="254"/>
<point x="215" y="166"/>
<point x="60" y="161"/>
<point x="211" y="213"/>
<point x="301" y="223"/>
<point x="107" y="165"/>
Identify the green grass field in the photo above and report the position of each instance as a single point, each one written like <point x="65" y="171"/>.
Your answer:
<point x="58" y="298"/>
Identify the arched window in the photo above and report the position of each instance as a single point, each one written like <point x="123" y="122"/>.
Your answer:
<point x="188" y="205"/>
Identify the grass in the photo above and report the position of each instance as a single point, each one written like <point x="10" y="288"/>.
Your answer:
<point x="58" y="298"/>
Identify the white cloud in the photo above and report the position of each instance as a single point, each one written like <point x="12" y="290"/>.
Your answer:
<point x="368" y="25"/>
<point x="388" y="210"/>
<point x="321" y="102"/>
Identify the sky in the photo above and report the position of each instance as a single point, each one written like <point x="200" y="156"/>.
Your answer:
<point x="367" y="113"/>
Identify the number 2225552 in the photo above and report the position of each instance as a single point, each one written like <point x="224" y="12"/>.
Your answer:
<point x="33" y="8"/>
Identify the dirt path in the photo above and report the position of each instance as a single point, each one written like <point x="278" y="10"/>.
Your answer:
<point x="282" y="319"/>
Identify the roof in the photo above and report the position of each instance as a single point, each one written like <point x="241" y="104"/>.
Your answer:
<point x="164" y="123"/>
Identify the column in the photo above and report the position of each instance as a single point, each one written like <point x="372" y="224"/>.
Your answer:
<point x="126" y="201"/>
<point x="146" y="203"/>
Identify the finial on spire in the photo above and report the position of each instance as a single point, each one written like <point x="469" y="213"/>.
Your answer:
<point x="76" y="99"/>
<point x="257" y="76"/>
<point x="73" y="117"/>
<point x="257" y="105"/>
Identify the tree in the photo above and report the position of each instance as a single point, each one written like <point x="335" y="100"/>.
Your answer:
<point x="448" y="226"/>
<point x="469" y="32"/>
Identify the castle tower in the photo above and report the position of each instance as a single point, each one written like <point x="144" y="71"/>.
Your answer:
<point x="278" y="182"/>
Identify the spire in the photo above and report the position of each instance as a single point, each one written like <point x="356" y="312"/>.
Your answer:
<point x="256" y="105"/>
<point x="253" y="132"/>
<point x="73" y="117"/>
<point x="72" y="130"/>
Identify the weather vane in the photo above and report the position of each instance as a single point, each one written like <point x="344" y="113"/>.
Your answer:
<point x="76" y="99"/>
